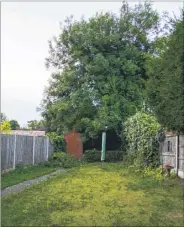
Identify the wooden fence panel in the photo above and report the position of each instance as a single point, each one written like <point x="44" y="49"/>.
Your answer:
<point x="23" y="148"/>
<point x="7" y="151"/>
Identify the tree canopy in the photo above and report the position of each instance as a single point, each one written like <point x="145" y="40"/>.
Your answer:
<point x="100" y="70"/>
<point x="36" y="125"/>
<point x="165" y="88"/>
<point x="14" y="125"/>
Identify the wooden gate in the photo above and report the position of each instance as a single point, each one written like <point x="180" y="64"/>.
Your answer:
<point x="74" y="144"/>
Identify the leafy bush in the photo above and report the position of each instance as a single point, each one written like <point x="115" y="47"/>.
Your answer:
<point x="153" y="173"/>
<point x="110" y="156"/>
<point x="143" y="134"/>
<point x="57" y="141"/>
<point x="92" y="155"/>
<point x="61" y="159"/>
<point x="114" y="156"/>
<point x="5" y="127"/>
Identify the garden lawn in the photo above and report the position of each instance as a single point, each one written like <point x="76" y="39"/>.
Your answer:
<point x="96" y="195"/>
<point x="24" y="173"/>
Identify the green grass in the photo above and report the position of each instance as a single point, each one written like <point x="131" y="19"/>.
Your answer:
<point x="96" y="195"/>
<point x="24" y="173"/>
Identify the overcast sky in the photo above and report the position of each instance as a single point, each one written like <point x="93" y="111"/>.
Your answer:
<point x="25" y="31"/>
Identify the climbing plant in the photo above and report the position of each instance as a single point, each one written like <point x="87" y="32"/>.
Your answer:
<point x="143" y="135"/>
<point x="58" y="142"/>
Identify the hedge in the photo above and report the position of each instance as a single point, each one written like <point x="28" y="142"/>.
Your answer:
<point x="110" y="156"/>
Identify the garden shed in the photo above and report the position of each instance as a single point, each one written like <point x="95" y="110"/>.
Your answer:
<point x="172" y="152"/>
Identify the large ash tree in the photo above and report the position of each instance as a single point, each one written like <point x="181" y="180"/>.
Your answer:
<point x="100" y="71"/>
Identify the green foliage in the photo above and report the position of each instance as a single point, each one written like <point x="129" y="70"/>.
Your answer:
<point x="20" y="167"/>
<point x="114" y="156"/>
<point x="57" y="141"/>
<point x="100" y="70"/>
<point x="165" y="88"/>
<point x="143" y="133"/>
<point x="60" y="159"/>
<point x="153" y="173"/>
<point x="110" y="156"/>
<point x="37" y="125"/>
<point x="92" y="155"/>
<point x="5" y="127"/>
<point x="14" y="125"/>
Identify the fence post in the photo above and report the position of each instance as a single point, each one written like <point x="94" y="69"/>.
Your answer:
<point x="177" y="152"/>
<point x="47" y="149"/>
<point x="14" y="151"/>
<point x="33" y="148"/>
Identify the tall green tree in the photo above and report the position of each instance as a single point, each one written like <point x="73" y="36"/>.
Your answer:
<point x="99" y="70"/>
<point x="14" y="125"/>
<point x="165" y="88"/>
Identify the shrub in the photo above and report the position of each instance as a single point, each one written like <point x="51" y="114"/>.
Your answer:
<point x="153" y="173"/>
<point x="61" y="159"/>
<point x="57" y="141"/>
<point x="143" y="135"/>
<point x="5" y="127"/>
<point x="92" y="155"/>
<point x="110" y="156"/>
<point x="114" y="156"/>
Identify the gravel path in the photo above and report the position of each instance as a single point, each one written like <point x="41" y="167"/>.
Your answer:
<point x="28" y="183"/>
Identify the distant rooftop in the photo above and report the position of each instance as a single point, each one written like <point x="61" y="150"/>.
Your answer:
<point x="27" y="133"/>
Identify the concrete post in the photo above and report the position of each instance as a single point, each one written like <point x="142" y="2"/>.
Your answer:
<point x="14" y="151"/>
<point x="33" y="149"/>
<point x="47" y="149"/>
<point x="177" y="152"/>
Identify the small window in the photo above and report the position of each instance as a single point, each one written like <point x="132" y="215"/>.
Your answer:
<point x="169" y="146"/>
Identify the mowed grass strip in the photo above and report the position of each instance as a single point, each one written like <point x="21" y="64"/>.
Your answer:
<point x="24" y="173"/>
<point x="96" y="195"/>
